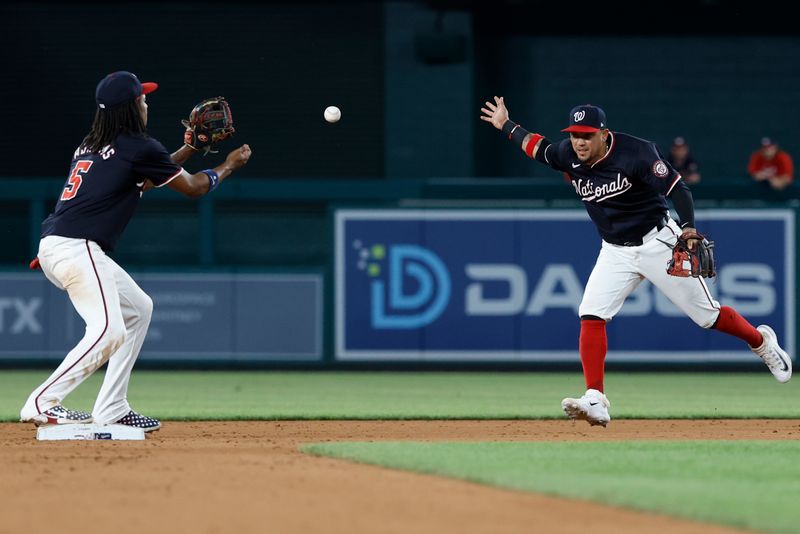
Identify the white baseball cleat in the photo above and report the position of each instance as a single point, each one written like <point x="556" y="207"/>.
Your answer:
<point x="592" y="407"/>
<point x="779" y="363"/>
<point x="58" y="415"/>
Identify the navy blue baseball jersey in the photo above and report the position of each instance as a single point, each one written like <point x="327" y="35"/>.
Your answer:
<point x="103" y="189"/>
<point x="624" y="191"/>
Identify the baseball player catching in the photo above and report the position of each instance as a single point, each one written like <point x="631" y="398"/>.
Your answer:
<point x="115" y="163"/>
<point x="623" y="182"/>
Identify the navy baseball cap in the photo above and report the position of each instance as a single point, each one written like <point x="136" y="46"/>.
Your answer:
<point x="120" y="87"/>
<point x="586" y="119"/>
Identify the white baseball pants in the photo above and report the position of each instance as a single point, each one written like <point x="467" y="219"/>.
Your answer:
<point x="620" y="269"/>
<point x="117" y="314"/>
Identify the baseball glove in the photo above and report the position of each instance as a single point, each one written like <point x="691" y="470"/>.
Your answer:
<point x="209" y="123"/>
<point x="695" y="262"/>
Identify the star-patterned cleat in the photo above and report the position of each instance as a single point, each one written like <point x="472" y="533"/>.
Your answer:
<point x="137" y="420"/>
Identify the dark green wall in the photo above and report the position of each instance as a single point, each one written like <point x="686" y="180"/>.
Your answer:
<point x="279" y="64"/>
<point x="721" y="93"/>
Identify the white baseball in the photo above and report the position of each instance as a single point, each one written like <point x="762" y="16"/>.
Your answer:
<point x="332" y="114"/>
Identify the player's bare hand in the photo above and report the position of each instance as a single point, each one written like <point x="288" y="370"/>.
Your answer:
<point x="495" y="113"/>
<point x="148" y="185"/>
<point x="238" y="158"/>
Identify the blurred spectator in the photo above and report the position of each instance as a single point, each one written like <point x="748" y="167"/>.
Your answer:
<point x="682" y="161"/>
<point x="771" y="166"/>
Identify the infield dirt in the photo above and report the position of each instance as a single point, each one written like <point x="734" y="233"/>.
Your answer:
<point x="250" y="477"/>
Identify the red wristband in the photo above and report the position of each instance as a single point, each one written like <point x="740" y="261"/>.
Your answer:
<point x="535" y="138"/>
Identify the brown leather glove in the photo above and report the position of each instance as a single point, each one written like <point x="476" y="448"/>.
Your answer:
<point x="696" y="262"/>
<point x="209" y="123"/>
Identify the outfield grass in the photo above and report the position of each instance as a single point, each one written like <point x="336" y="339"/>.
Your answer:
<point x="387" y="395"/>
<point x="750" y="484"/>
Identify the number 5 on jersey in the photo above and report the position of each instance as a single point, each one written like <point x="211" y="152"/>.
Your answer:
<point x="75" y="179"/>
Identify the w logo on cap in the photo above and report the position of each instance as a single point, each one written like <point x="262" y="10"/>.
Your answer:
<point x="579" y="115"/>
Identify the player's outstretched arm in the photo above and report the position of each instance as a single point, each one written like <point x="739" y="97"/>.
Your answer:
<point x="181" y="155"/>
<point x="198" y="184"/>
<point x="497" y="115"/>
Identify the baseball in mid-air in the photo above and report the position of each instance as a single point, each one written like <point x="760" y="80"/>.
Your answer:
<point x="333" y="114"/>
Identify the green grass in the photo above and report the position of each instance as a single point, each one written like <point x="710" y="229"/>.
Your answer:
<point x="750" y="484"/>
<point x="386" y="395"/>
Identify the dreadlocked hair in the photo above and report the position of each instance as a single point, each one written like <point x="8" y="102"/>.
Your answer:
<point x="109" y="123"/>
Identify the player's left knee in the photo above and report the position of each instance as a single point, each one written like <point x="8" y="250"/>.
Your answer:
<point x="707" y="321"/>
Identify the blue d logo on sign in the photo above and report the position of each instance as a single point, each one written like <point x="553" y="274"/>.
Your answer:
<point x="419" y="287"/>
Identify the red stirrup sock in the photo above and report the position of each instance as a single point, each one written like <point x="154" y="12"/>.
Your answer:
<point x="593" y="346"/>
<point x="730" y="322"/>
